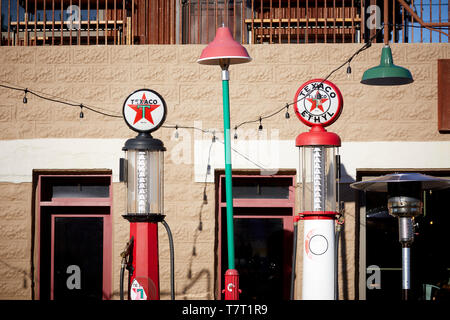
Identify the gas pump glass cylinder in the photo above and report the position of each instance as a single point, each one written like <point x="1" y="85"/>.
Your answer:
<point x="145" y="182"/>
<point x="318" y="165"/>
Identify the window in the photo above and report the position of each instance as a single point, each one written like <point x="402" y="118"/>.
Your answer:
<point x="74" y="236"/>
<point x="430" y="266"/>
<point x="263" y="208"/>
<point x="443" y="95"/>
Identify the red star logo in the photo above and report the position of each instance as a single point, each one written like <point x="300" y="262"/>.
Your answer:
<point x="317" y="102"/>
<point x="143" y="110"/>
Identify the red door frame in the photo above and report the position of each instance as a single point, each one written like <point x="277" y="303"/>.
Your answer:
<point x="288" y="224"/>
<point x="79" y="202"/>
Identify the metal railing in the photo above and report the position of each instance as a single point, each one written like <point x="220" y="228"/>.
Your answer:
<point x="116" y="22"/>
<point x="87" y="22"/>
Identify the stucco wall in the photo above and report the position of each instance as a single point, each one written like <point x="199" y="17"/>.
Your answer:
<point x="103" y="76"/>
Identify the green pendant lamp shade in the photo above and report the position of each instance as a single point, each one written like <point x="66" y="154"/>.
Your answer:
<point x="387" y="73"/>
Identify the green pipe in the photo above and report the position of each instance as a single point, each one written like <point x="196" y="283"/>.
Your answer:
<point x="228" y="173"/>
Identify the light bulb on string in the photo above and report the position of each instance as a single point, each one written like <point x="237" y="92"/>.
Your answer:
<point x="176" y="132"/>
<point x="349" y="71"/>
<point x="287" y="115"/>
<point x="214" y="137"/>
<point x="25" y="100"/>
<point x="235" y="133"/>
<point x="81" y="112"/>
<point x="260" y="128"/>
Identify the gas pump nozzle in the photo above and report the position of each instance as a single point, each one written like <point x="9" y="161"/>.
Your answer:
<point x="127" y="258"/>
<point x="126" y="251"/>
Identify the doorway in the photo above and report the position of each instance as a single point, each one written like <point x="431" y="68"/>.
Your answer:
<point x="74" y="240"/>
<point x="263" y="209"/>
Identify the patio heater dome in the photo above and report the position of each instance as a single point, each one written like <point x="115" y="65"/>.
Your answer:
<point x="224" y="50"/>
<point x="380" y="184"/>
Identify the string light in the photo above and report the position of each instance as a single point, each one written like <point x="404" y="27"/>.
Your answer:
<point x="46" y="96"/>
<point x="287" y="116"/>
<point x="81" y="111"/>
<point x="235" y="133"/>
<point x="25" y="100"/>
<point x="349" y="70"/>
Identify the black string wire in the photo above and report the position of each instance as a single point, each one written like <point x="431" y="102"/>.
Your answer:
<point x="367" y="45"/>
<point x="55" y="99"/>
<point x="43" y="96"/>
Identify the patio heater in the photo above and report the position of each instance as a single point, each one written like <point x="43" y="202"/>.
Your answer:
<point x="225" y="51"/>
<point x="318" y="103"/>
<point x="144" y="111"/>
<point x="404" y="202"/>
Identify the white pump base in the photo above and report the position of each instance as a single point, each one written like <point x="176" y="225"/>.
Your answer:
<point x="318" y="260"/>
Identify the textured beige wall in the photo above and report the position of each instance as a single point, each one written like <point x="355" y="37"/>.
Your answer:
<point x="15" y="241"/>
<point x="103" y="76"/>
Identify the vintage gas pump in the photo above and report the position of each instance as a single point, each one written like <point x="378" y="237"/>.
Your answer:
<point x="318" y="103"/>
<point x="144" y="111"/>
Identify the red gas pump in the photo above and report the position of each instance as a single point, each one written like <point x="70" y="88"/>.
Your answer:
<point x="143" y="168"/>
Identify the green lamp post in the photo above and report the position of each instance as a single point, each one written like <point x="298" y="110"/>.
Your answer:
<point x="224" y="51"/>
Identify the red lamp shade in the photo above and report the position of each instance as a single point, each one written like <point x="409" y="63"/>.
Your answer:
<point x="224" y="50"/>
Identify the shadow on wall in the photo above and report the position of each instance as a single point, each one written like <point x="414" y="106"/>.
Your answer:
<point x="194" y="254"/>
<point x="346" y="194"/>
<point x="202" y="272"/>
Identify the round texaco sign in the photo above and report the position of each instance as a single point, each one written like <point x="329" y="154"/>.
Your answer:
<point x="144" y="110"/>
<point x="318" y="102"/>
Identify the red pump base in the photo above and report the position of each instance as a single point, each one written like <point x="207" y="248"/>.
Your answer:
<point x="231" y="290"/>
<point x="144" y="280"/>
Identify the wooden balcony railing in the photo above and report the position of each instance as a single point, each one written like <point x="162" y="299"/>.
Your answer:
<point x="85" y="22"/>
<point x="117" y="22"/>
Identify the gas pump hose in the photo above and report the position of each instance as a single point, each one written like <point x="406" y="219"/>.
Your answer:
<point x="172" y="263"/>
<point x="125" y="254"/>
<point x="336" y="262"/>
<point x="340" y="222"/>
<point x="294" y="256"/>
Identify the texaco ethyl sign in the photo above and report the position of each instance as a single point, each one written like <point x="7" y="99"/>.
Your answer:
<point x="318" y="102"/>
<point x="144" y="110"/>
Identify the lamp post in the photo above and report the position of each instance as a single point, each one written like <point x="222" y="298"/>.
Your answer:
<point x="144" y="111"/>
<point x="225" y="51"/>
<point x="404" y="202"/>
<point x="318" y="103"/>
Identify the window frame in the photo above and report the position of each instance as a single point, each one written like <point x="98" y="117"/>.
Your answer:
<point x="288" y="223"/>
<point x="42" y="205"/>
<point x="443" y="66"/>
